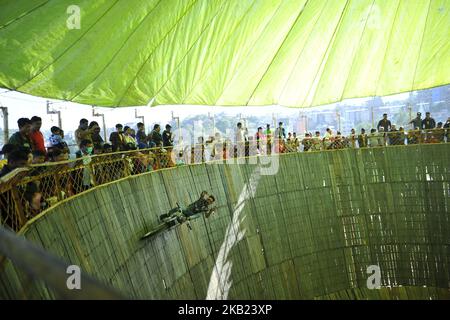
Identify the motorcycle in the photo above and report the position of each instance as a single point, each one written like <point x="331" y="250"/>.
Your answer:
<point x="169" y="222"/>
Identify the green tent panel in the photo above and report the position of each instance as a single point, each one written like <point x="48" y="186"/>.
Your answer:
<point x="296" y="53"/>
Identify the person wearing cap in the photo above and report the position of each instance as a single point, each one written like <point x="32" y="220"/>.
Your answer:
<point x="417" y="122"/>
<point x="167" y="137"/>
<point x="428" y="122"/>
<point x="22" y="137"/>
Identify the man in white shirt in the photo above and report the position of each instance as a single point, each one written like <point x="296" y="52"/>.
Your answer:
<point x="316" y="142"/>
<point x="241" y="139"/>
<point x="328" y="139"/>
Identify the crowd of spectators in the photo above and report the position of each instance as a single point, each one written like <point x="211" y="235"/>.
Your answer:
<point x="27" y="146"/>
<point x="119" y="157"/>
<point x="130" y="151"/>
<point x="267" y="141"/>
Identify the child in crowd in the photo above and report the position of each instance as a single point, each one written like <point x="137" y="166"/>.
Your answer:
<point x="56" y="139"/>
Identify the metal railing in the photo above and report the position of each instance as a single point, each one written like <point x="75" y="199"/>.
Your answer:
<point x="26" y="192"/>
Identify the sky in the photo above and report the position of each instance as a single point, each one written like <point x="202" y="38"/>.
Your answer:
<point x="24" y="105"/>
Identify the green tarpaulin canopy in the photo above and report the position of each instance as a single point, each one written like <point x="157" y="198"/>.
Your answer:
<point x="295" y="53"/>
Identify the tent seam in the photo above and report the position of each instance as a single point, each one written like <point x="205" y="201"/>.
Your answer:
<point x="23" y="15"/>
<point x="278" y="51"/>
<point x="325" y="56"/>
<point x="300" y="54"/>
<point x="359" y="45"/>
<point x="151" y="53"/>
<point x="117" y="52"/>
<point x="421" y="46"/>
<point x="226" y="41"/>
<point x="191" y="47"/>
<point x="247" y="54"/>
<point x="67" y="49"/>
<point x="387" y="49"/>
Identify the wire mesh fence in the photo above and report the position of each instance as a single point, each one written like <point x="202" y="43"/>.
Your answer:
<point x="312" y="230"/>
<point x="26" y="192"/>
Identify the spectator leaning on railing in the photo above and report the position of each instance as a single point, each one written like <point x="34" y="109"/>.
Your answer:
<point x="167" y="137"/>
<point x="307" y="142"/>
<point x="117" y="138"/>
<point x="447" y="129"/>
<point x="352" y="138"/>
<point x="96" y="138"/>
<point x="56" y="139"/>
<point x="85" y="152"/>
<point x="328" y="139"/>
<point x="141" y="137"/>
<point x="155" y="136"/>
<point x="130" y="141"/>
<point x="6" y="150"/>
<point x="362" y="139"/>
<point x="36" y="136"/>
<point x="269" y="138"/>
<point x="18" y="158"/>
<point x="22" y="137"/>
<point x="259" y="138"/>
<point x="83" y="132"/>
<point x="295" y="142"/>
<point x="439" y="133"/>
<point x="38" y="157"/>
<point x="384" y="123"/>
<point x="316" y="142"/>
